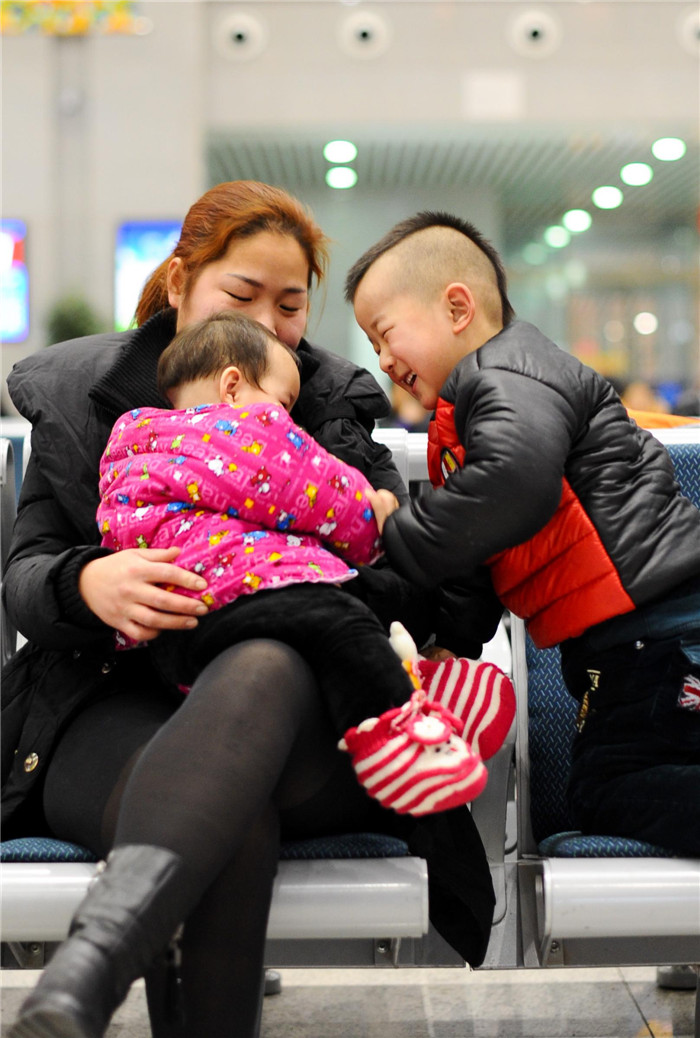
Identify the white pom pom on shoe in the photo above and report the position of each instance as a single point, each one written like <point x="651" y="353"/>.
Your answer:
<point x="402" y="643"/>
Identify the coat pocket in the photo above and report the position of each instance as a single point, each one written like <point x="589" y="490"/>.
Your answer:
<point x="41" y="688"/>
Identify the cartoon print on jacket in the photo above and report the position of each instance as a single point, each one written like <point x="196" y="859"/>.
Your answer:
<point x="246" y="494"/>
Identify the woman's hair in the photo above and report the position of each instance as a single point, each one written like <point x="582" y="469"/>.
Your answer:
<point x="205" y="348"/>
<point x="234" y="210"/>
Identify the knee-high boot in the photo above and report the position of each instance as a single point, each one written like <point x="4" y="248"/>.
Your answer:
<point x="126" y="919"/>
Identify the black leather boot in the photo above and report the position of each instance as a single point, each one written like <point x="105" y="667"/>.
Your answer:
<point x="127" y="918"/>
<point x="164" y="995"/>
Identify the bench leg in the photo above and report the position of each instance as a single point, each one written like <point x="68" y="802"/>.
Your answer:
<point x="273" y="982"/>
<point x="28" y="955"/>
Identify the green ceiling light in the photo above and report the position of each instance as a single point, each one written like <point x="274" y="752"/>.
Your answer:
<point x="636" y="174"/>
<point x="341" y="177"/>
<point x="576" y="273"/>
<point x="557" y="237"/>
<point x="535" y="254"/>
<point x="607" y="197"/>
<point x="340" y="151"/>
<point x="577" y="220"/>
<point x="668" y="149"/>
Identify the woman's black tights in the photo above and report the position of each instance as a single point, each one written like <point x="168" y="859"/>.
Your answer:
<point x="249" y="749"/>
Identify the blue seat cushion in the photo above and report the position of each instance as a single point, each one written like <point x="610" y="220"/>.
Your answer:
<point x="350" y="845"/>
<point x="576" y="845"/>
<point x="43" y="848"/>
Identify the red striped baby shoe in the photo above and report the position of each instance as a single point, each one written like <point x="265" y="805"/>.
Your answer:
<point x="411" y="759"/>
<point x="479" y="694"/>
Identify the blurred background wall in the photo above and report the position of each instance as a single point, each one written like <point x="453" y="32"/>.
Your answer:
<point x="506" y="112"/>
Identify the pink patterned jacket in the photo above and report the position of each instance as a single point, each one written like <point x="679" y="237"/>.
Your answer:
<point x="248" y="496"/>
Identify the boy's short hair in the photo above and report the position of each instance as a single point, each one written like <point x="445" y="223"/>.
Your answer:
<point x="423" y="221"/>
<point x="205" y="348"/>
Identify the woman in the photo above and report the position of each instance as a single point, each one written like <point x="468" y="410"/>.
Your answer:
<point x="190" y="799"/>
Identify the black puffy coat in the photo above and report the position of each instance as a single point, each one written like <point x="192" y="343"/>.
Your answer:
<point x="527" y="419"/>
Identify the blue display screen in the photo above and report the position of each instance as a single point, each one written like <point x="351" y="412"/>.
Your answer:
<point x="141" y="246"/>
<point x="14" y="282"/>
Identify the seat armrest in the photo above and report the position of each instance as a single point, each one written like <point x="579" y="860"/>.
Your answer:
<point x="324" y="898"/>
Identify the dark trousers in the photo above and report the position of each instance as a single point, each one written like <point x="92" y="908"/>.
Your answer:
<point x="341" y="639"/>
<point x="636" y="759"/>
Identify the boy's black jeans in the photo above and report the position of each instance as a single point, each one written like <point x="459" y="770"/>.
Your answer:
<point x="636" y="759"/>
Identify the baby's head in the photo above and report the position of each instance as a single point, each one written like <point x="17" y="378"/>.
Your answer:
<point x="430" y="291"/>
<point x="228" y="358"/>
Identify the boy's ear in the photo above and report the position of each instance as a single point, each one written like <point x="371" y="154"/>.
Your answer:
<point x="175" y="281"/>
<point x="229" y="384"/>
<point x="462" y="305"/>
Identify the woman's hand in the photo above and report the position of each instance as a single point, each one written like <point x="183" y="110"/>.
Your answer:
<point x="383" y="503"/>
<point x="123" y="590"/>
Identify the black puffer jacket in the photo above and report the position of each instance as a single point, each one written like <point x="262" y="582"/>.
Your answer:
<point x="540" y="433"/>
<point x="72" y="393"/>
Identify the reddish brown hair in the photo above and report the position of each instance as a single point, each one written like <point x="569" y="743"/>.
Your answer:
<point x="236" y="209"/>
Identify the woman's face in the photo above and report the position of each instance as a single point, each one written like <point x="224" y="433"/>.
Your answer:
<point x="265" y="277"/>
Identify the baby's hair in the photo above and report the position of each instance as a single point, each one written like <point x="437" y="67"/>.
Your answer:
<point x="421" y="264"/>
<point x="204" y="349"/>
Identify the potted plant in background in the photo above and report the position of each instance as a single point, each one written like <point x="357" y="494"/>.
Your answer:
<point x="71" y="317"/>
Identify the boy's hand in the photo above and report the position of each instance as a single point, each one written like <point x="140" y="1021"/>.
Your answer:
<point x="383" y="503"/>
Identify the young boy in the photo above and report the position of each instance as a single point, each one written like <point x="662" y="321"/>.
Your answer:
<point x="271" y="520"/>
<point x="558" y="506"/>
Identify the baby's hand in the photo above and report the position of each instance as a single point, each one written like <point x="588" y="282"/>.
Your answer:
<point x="383" y="503"/>
<point x="434" y="652"/>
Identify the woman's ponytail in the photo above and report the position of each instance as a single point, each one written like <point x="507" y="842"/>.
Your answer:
<point x="154" y="296"/>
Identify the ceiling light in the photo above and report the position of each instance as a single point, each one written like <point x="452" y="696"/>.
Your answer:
<point x="636" y="174"/>
<point x="341" y="177"/>
<point x="614" y="331"/>
<point x="576" y="273"/>
<point x="556" y="287"/>
<point x="534" y="254"/>
<point x="340" y="151"/>
<point x="668" y="149"/>
<point x="607" y="197"/>
<point x="645" y="323"/>
<point x="557" y="237"/>
<point x="577" y="220"/>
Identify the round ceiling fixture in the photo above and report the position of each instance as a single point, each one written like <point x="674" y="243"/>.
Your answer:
<point x="689" y="31"/>
<point x="535" y="34"/>
<point x="364" y="34"/>
<point x="240" y="37"/>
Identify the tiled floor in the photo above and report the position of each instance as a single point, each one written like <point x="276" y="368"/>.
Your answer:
<point x="584" y="1003"/>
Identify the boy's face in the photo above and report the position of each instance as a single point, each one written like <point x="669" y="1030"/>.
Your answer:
<point x="413" y="338"/>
